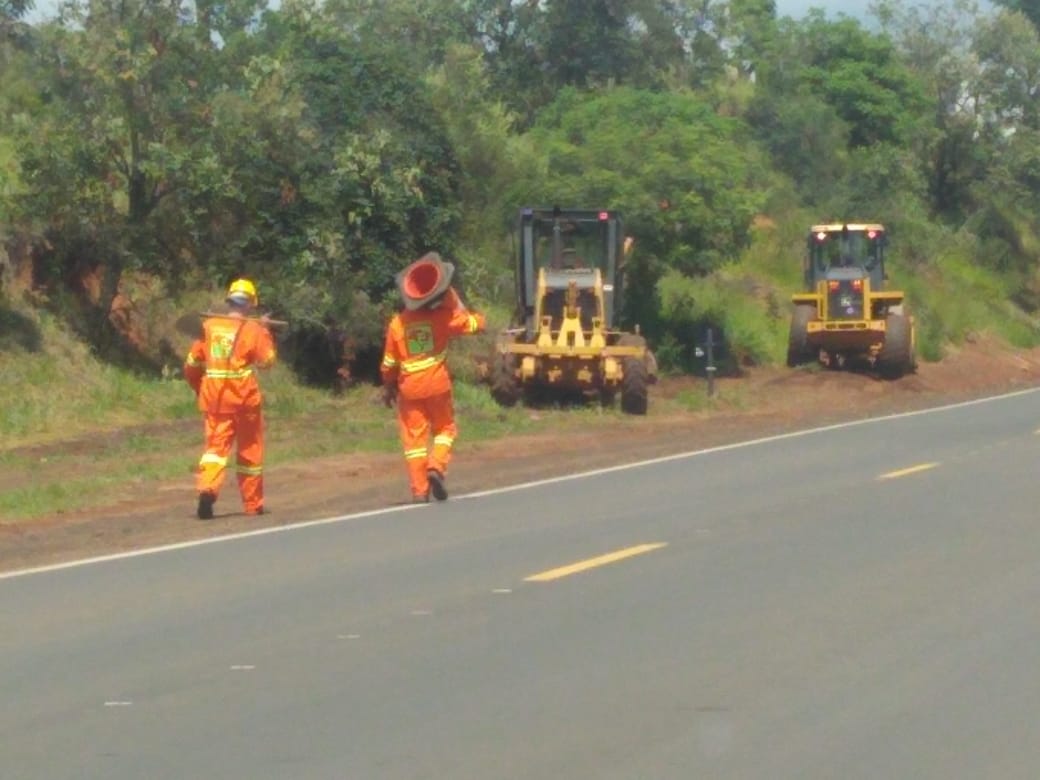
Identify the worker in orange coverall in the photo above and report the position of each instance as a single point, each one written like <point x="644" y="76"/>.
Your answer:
<point x="221" y="370"/>
<point x="415" y="374"/>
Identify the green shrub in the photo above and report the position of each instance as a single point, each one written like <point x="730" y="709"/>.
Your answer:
<point x="744" y="315"/>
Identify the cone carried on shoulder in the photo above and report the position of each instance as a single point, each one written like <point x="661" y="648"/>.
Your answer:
<point x="424" y="281"/>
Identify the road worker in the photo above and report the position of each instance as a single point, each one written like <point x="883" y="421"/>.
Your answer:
<point x="221" y="370"/>
<point x="415" y="374"/>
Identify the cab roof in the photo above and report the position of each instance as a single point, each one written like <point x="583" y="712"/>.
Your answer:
<point x="854" y="227"/>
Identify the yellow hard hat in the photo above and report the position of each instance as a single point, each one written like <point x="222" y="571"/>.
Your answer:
<point x="242" y="291"/>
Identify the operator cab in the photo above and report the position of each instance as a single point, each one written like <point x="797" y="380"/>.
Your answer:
<point x="843" y="252"/>
<point x="569" y="245"/>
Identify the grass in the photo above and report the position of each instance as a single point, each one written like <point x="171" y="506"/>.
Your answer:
<point x="312" y="425"/>
<point x="78" y="433"/>
<point x="60" y="390"/>
<point x="951" y="293"/>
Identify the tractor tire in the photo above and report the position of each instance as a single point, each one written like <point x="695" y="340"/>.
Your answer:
<point x="631" y="340"/>
<point x="650" y="362"/>
<point x="505" y="387"/>
<point x="634" y="382"/>
<point x="897" y="355"/>
<point x="799" y="350"/>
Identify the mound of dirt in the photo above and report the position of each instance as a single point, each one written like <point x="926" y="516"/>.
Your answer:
<point x="763" y="402"/>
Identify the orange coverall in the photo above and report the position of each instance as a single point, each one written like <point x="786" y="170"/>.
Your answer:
<point x="220" y="369"/>
<point x="414" y="360"/>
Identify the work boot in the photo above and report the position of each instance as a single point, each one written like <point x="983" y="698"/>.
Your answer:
<point x="206" y="502"/>
<point x="257" y="511"/>
<point x="437" y="487"/>
<point x="421" y="498"/>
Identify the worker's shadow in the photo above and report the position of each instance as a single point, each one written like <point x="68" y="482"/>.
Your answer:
<point x="233" y="514"/>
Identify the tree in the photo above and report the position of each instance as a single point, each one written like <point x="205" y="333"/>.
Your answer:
<point x="1028" y="8"/>
<point x="1009" y="55"/>
<point x="481" y="132"/>
<point x="117" y="136"/>
<point x="14" y="33"/>
<point x="937" y="44"/>
<point x="342" y="174"/>
<point x="423" y="33"/>
<point x="807" y="139"/>
<point x="367" y="162"/>
<point x="860" y="75"/>
<point x="535" y="49"/>
<point x="684" y="178"/>
<point x="840" y="112"/>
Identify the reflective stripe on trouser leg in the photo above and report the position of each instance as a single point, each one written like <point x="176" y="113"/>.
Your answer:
<point x="220" y="434"/>
<point x="250" y="432"/>
<point x="414" y="428"/>
<point x="442" y="421"/>
<point x="417" y="479"/>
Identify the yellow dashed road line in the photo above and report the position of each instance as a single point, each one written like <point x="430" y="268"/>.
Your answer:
<point x="907" y="471"/>
<point x="591" y="563"/>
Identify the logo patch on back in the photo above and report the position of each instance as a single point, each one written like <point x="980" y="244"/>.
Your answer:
<point x="419" y="338"/>
<point x="221" y="344"/>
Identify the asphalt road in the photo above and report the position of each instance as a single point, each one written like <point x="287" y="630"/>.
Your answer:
<point x="859" y="602"/>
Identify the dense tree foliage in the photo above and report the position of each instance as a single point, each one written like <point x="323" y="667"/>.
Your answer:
<point x="1029" y="8"/>
<point x="320" y="146"/>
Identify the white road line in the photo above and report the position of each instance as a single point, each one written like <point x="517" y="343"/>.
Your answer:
<point x="512" y="488"/>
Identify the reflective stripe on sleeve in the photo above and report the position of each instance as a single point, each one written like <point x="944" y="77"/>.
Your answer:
<point x="418" y="452"/>
<point x="444" y="439"/>
<point x="212" y="458"/>
<point x="252" y="471"/>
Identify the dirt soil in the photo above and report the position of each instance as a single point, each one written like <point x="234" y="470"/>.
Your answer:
<point x="764" y="402"/>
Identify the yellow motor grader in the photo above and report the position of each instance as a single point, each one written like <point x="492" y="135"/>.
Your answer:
<point x="846" y="314"/>
<point x="569" y="272"/>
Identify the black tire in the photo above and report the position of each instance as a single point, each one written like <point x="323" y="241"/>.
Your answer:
<point x="505" y="387"/>
<point x="897" y="355"/>
<point x="635" y="376"/>
<point x="634" y="382"/>
<point x="799" y="350"/>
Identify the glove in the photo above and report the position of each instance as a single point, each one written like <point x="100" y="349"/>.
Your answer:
<point x="389" y="395"/>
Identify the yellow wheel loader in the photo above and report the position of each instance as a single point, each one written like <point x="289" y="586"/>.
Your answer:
<point x="562" y="341"/>
<point x="846" y="315"/>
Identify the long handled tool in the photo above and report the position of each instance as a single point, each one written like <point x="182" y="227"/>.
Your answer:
<point x="261" y="320"/>
<point x="191" y="325"/>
